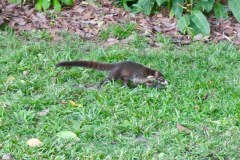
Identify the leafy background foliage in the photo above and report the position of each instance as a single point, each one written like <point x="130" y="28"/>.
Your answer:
<point x="191" y="14"/>
<point x="41" y="5"/>
<point x="45" y="4"/>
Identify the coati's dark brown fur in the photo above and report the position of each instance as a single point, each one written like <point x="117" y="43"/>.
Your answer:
<point x="125" y="71"/>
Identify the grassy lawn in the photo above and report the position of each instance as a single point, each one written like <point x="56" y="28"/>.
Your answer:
<point x="117" y="122"/>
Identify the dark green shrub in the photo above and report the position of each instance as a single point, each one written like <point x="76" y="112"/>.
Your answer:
<point x="45" y="4"/>
<point x="190" y="13"/>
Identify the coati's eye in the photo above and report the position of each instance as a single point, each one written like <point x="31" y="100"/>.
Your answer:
<point x="161" y="79"/>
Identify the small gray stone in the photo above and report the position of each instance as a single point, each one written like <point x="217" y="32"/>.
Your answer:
<point x="198" y="37"/>
<point x="25" y="73"/>
<point x="7" y="156"/>
<point x="43" y="112"/>
<point x="238" y="35"/>
<point x="141" y="139"/>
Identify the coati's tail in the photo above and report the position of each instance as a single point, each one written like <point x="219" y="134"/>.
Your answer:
<point x="87" y="64"/>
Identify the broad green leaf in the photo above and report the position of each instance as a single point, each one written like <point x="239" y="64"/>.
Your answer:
<point x="67" y="135"/>
<point x="234" y="6"/>
<point x="177" y="8"/>
<point x="220" y="11"/>
<point x="204" y="5"/>
<point x="160" y="2"/>
<point x="171" y="14"/>
<point x="147" y="5"/>
<point x="125" y="6"/>
<point x="200" y="21"/>
<point x="68" y="2"/>
<point x="56" y="5"/>
<point x="194" y="29"/>
<point x="16" y="1"/>
<point x="38" y="5"/>
<point x="208" y="5"/>
<point x="183" y="23"/>
<point x="137" y="8"/>
<point x="46" y="4"/>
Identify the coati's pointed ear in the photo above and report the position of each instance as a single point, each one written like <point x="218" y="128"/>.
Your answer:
<point x="156" y="74"/>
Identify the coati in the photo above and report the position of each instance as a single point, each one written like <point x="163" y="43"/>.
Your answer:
<point x="126" y="71"/>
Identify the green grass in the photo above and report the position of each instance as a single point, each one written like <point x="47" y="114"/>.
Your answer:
<point x="118" y="31"/>
<point x="117" y="122"/>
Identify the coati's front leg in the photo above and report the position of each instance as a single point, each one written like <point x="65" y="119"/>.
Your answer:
<point x="126" y="82"/>
<point x="113" y="75"/>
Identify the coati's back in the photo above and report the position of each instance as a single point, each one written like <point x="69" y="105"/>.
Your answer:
<point x="126" y="68"/>
<point x="131" y="69"/>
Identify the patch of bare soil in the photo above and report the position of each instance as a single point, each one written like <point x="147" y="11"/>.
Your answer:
<point x="87" y="20"/>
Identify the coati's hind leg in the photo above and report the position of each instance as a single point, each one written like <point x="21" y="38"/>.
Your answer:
<point x="103" y="82"/>
<point x="113" y="75"/>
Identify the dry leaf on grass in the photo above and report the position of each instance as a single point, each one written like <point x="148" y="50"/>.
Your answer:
<point x="197" y="107"/>
<point x="43" y="112"/>
<point x="141" y="139"/>
<point x="205" y="97"/>
<point x="10" y="79"/>
<point x="63" y="102"/>
<point x="1" y="21"/>
<point x="34" y="142"/>
<point x="74" y="104"/>
<point x="181" y="128"/>
<point x="204" y="128"/>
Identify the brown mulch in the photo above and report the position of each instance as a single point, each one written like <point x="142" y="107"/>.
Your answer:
<point x="87" y="20"/>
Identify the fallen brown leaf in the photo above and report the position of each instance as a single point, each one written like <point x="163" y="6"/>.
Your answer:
<point x="141" y="139"/>
<point x="1" y="21"/>
<point x="43" y="112"/>
<point x="20" y="21"/>
<point x="204" y="128"/>
<point x="64" y="102"/>
<point x="181" y="128"/>
<point x="205" y="97"/>
<point x="34" y="142"/>
<point x="112" y="41"/>
<point x="87" y="16"/>
<point x="197" y="107"/>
